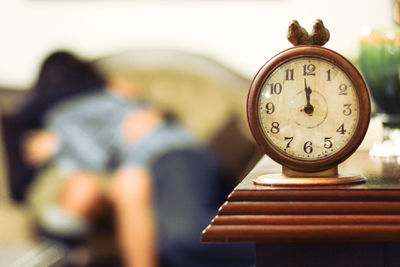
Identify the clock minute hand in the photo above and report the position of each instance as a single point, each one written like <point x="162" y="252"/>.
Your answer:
<point x="308" y="108"/>
<point x="308" y="92"/>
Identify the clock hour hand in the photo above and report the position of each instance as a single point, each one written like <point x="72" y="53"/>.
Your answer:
<point x="308" y="108"/>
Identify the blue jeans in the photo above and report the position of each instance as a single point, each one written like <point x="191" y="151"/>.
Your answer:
<point x="188" y="193"/>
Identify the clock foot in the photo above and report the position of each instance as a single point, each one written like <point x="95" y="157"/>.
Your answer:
<point x="279" y="180"/>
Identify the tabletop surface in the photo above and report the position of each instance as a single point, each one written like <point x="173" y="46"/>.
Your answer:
<point x="380" y="174"/>
<point x="367" y="212"/>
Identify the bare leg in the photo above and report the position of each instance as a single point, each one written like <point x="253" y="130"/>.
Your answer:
<point x="131" y="194"/>
<point x="82" y="195"/>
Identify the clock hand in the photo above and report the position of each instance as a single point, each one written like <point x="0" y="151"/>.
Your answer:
<point x="309" y="109"/>
<point x="308" y="92"/>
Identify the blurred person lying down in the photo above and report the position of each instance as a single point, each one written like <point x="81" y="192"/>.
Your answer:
<point x="110" y="145"/>
<point x="93" y="136"/>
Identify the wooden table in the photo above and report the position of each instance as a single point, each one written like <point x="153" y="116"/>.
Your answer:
<point x="356" y="225"/>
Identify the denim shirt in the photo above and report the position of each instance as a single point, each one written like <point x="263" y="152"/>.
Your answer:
<point x="89" y="127"/>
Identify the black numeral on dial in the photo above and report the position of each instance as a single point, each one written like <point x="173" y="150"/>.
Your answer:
<point x="289" y="74"/>
<point x="275" y="127"/>
<point x="276" y="88"/>
<point x="270" y="107"/>
<point x="309" y="70"/>
<point x="308" y="147"/>
<point x="347" y="109"/>
<point x="328" y="143"/>
<point x="342" y="89"/>
<point x="290" y="139"/>
<point x="341" y="129"/>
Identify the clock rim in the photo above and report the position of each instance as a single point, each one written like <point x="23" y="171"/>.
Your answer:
<point x="359" y="86"/>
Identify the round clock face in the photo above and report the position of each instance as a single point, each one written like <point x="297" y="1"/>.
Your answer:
<point x="308" y="108"/>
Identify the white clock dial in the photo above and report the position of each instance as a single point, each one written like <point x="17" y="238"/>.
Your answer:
<point x="308" y="108"/>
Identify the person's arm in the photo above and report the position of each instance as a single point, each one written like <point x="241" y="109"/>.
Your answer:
<point x="39" y="146"/>
<point x="138" y="124"/>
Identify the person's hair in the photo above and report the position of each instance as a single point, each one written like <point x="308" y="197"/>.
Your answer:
<point x="64" y="68"/>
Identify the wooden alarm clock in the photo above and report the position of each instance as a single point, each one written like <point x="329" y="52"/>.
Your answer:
<point x="308" y="109"/>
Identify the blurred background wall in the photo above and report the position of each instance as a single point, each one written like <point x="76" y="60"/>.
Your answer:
<point x="242" y="34"/>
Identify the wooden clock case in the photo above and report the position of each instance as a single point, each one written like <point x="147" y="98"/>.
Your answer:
<point x="309" y="51"/>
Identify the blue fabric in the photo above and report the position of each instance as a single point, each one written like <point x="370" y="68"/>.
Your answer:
<point x="165" y="137"/>
<point x="91" y="130"/>
<point x="188" y="193"/>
